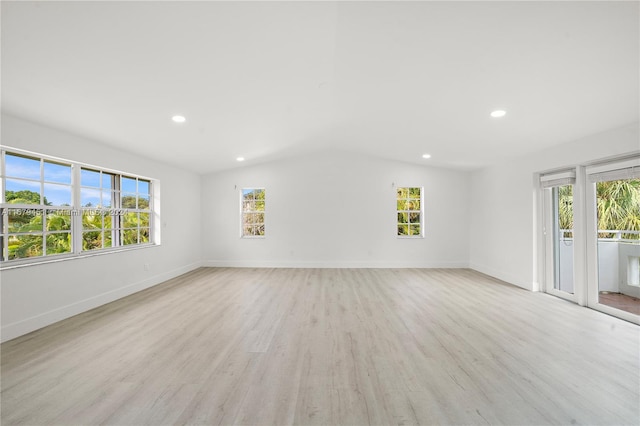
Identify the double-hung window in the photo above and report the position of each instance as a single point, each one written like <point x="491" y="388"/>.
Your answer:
<point x="36" y="207"/>
<point x="97" y="199"/>
<point x="116" y="209"/>
<point x="135" y="196"/>
<point x="52" y="207"/>
<point x="252" y="210"/>
<point x="409" y="209"/>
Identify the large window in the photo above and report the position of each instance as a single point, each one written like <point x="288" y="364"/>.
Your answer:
<point x="252" y="212"/>
<point x="52" y="207"/>
<point x="409" y="208"/>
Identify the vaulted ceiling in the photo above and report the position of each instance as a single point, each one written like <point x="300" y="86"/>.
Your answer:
<point x="263" y="80"/>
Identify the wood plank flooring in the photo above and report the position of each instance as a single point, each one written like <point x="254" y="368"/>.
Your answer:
<point x="620" y="301"/>
<point x="324" y="347"/>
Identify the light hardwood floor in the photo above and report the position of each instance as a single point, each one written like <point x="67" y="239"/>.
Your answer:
<point x="327" y="346"/>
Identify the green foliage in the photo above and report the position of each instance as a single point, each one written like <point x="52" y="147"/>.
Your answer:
<point x="59" y="243"/>
<point x="253" y="207"/>
<point x="565" y="206"/>
<point x="91" y="240"/>
<point x="30" y="225"/>
<point x="408" y="209"/>
<point x="129" y="236"/>
<point x="24" y="221"/>
<point x="21" y="246"/>
<point x="408" y="193"/>
<point x="413" y="229"/>
<point x="24" y="197"/>
<point x="129" y="202"/>
<point x="58" y="222"/>
<point x="618" y="207"/>
<point x="97" y="226"/>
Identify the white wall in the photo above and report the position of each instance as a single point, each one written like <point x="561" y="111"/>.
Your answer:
<point x="608" y="266"/>
<point x="336" y="210"/>
<point x="565" y="249"/>
<point x="35" y="296"/>
<point x="503" y="221"/>
<point x="625" y="281"/>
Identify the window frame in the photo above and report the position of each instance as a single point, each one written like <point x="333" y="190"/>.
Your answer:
<point x="252" y="212"/>
<point x="398" y="211"/>
<point x="75" y="211"/>
<point x="114" y="205"/>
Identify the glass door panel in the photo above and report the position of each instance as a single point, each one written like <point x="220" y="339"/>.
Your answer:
<point x="562" y="235"/>
<point x="618" y="244"/>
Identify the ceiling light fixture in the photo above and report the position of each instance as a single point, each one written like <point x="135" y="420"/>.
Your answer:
<point x="240" y="159"/>
<point x="498" y="113"/>
<point x="178" y="119"/>
<point x="426" y="155"/>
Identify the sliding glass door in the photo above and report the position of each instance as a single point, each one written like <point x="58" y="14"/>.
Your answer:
<point x="559" y="233"/>
<point x="614" y="238"/>
<point x="590" y="235"/>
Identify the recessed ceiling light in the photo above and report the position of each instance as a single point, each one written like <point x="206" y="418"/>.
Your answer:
<point x="426" y="155"/>
<point x="498" y="113"/>
<point x="240" y="159"/>
<point x="178" y="118"/>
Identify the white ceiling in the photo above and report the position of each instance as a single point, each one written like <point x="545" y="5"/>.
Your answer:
<point x="270" y="79"/>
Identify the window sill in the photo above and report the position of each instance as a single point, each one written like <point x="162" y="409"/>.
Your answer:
<point x="67" y="257"/>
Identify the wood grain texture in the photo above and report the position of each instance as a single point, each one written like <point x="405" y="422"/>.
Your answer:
<point x="327" y="346"/>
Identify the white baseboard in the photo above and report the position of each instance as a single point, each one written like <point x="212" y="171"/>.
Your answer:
<point x="329" y="264"/>
<point x="22" y="327"/>
<point x="501" y="275"/>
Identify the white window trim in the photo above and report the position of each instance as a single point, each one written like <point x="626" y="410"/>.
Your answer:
<point x="252" y="237"/>
<point x="550" y="180"/>
<point x="395" y="194"/>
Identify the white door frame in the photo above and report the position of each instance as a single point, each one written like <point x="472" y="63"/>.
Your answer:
<point x="548" y="240"/>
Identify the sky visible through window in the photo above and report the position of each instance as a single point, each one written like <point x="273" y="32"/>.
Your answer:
<point x="57" y="178"/>
<point x="39" y="204"/>
<point x="24" y="174"/>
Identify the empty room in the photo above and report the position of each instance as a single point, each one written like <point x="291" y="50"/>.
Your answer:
<point x="320" y="213"/>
